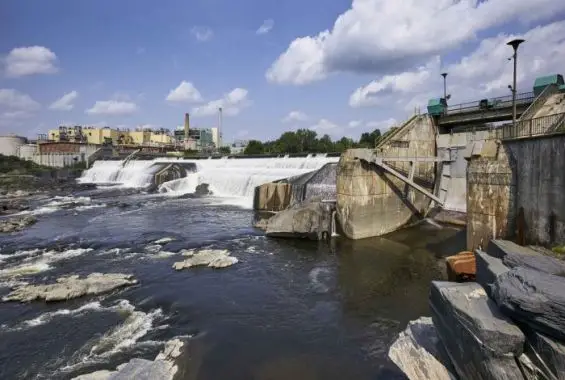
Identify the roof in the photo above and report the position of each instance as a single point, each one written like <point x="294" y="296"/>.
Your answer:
<point x="548" y="79"/>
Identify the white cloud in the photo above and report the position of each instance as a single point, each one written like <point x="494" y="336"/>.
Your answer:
<point x="65" y="103"/>
<point x="354" y="123"/>
<point x="202" y="33"/>
<point x="295" y="116"/>
<point x="30" y="60"/>
<point x="266" y="27"/>
<point x="383" y="125"/>
<point x="185" y="93"/>
<point x="231" y="103"/>
<point x="383" y="36"/>
<point x="112" y="108"/>
<point x="15" y="100"/>
<point x="485" y="72"/>
<point x="325" y="126"/>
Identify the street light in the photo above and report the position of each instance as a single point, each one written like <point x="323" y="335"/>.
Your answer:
<point x="444" y="75"/>
<point x="514" y="43"/>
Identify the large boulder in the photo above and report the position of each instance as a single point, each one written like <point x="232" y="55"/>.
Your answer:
<point x="488" y="269"/>
<point x="481" y="342"/>
<point x="17" y="224"/>
<point x="534" y="298"/>
<point x="419" y="354"/>
<point x="547" y="354"/>
<point x="514" y="255"/>
<point x="312" y="220"/>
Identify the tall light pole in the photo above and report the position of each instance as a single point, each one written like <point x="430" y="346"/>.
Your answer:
<point x="444" y="75"/>
<point x="514" y="43"/>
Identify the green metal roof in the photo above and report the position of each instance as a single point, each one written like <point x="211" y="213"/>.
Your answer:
<point x="434" y="102"/>
<point x="549" y="79"/>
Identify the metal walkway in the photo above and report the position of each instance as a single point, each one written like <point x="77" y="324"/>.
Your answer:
<point x="370" y="157"/>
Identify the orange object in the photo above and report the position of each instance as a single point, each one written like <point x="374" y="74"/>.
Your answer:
<point x="461" y="267"/>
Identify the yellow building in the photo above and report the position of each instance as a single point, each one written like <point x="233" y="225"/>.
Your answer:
<point x="98" y="136"/>
<point x="139" y="137"/>
<point x="160" y="138"/>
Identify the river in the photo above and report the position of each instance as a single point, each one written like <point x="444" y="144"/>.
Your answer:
<point x="288" y="309"/>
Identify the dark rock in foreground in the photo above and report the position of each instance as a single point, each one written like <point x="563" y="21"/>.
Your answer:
<point x="419" y="354"/>
<point x="514" y="255"/>
<point x="547" y="354"/>
<point x="534" y="298"/>
<point x="481" y="342"/>
<point x="488" y="268"/>
<point x="311" y="220"/>
<point x="17" y="224"/>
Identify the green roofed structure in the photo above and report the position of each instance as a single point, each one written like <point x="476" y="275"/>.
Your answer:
<point x="542" y="82"/>
<point x="437" y="106"/>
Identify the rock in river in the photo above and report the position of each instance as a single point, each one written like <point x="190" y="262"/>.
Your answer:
<point x="514" y="255"/>
<point x="16" y="224"/>
<point x="213" y="258"/>
<point x="312" y="220"/>
<point x="71" y="287"/>
<point x="534" y="298"/>
<point x="419" y="354"/>
<point x="481" y="342"/>
<point x="162" y="368"/>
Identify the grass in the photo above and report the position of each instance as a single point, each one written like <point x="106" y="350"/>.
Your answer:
<point x="560" y="250"/>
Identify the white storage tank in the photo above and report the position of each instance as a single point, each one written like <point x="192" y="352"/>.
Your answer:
<point x="9" y="145"/>
<point x="27" y="151"/>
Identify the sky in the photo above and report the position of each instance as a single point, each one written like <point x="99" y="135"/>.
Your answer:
<point x="335" y="66"/>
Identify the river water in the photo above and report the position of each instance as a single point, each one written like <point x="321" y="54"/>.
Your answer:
<point x="287" y="310"/>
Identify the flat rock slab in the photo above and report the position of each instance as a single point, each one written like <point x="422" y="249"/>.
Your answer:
<point x="514" y="255"/>
<point x="418" y="352"/>
<point x="488" y="269"/>
<point x="162" y="368"/>
<point x="213" y="258"/>
<point x="534" y="298"/>
<point x="71" y="287"/>
<point x="481" y="342"/>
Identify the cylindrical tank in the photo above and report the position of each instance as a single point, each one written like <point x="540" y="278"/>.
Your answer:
<point x="27" y="151"/>
<point x="9" y="144"/>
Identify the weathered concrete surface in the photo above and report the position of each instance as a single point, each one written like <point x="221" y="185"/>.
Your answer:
<point x="71" y="287"/>
<point x="534" y="298"/>
<point x="272" y="196"/>
<point x="514" y="255"/>
<point x="540" y="195"/>
<point x="311" y="220"/>
<point x="491" y="194"/>
<point x="371" y="202"/>
<point x="419" y="354"/>
<point x="481" y="342"/>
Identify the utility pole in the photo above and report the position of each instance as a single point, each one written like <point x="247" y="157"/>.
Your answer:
<point x="514" y="43"/>
<point x="219" y="128"/>
<point x="444" y="75"/>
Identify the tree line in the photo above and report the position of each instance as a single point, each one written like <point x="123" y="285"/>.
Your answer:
<point x="307" y="141"/>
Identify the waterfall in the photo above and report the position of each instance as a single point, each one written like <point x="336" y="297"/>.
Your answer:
<point x="227" y="177"/>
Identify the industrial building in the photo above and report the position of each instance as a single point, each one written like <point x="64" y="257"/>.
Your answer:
<point x="107" y="135"/>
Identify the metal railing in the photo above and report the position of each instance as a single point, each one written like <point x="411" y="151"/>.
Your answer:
<point x="493" y="103"/>
<point x="538" y="126"/>
<point x="539" y="102"/>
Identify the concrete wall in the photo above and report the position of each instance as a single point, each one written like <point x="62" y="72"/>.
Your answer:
<point x="272" y="196"/>
<point x="9" y="145"/>
<point x="371" y="202"/>
<point x="517" y="190"/>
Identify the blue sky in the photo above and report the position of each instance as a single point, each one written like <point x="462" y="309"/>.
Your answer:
<point x="375" y="62"/>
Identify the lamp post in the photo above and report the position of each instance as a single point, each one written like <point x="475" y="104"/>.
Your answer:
<point x="444" y="75"/>
<point x="219" y="128"/>
<point x="514" y="43"/>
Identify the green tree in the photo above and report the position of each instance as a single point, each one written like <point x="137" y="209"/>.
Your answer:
<point x="254" y="147"/>
<point x="224" y="150"/>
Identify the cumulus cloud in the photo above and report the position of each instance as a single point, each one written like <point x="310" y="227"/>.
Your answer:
<point x="185" y="92"/>
<point x="384" y="37"/>
<point x="202" y="33"/>
<point x="381" y="124"/>
<point x="65" y="103"/>
<point x="295" y="116"/>
<point x="354" y="123"/>
<point x="30" y="60"/>
<point x="112" y="108"/>
<point x="485" y="72"/>
<point x="265" y="27"/>
<point x="231" y="104"/>
<point x="325" y="126"/>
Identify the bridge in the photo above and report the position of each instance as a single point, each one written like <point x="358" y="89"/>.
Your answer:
<point x="485" y="111"/>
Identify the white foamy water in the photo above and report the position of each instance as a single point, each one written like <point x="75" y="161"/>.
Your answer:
<point x="233" y="180"/>
<point x="58" y="203"/>
<point x="37" y="261"/>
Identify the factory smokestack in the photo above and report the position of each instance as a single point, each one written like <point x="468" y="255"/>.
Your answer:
<point x="186" y="126"/>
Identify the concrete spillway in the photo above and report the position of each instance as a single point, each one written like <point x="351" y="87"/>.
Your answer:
<point x="228" y="178"/>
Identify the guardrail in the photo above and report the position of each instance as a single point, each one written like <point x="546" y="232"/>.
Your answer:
<point x="493" y="103"/>
<point x="538" y="126"/>
<point x="539" y="102"/>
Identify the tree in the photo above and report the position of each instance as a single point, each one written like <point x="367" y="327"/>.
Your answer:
<point x="254" y="147"/>
<point x="224" y="150"/>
